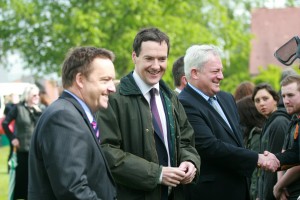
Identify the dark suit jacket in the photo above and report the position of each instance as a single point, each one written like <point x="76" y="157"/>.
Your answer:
<point x="225" y="163"/>
<point x="65" y="159"/>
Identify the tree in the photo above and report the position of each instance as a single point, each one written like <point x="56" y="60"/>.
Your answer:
<point x="269" y="75"/>
<point x="272" y="75"/>
<point x="43" y="31"/>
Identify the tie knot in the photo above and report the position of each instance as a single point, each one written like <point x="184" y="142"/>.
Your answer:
<point x="153" y="92"/>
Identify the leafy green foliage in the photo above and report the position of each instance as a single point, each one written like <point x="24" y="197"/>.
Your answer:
<point x="43" y="31"/>
<point x="270" y="75"/>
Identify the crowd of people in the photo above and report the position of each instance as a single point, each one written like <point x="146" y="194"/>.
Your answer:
<point x="139" y="139"/>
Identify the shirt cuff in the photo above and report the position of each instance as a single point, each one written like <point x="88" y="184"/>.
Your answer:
<point x="160" y="176"/>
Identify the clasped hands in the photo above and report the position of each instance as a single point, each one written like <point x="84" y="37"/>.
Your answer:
<point x="184" y="174"/>
<point x="268" y="161"/>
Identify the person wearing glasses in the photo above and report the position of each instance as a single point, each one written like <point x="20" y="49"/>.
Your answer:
<point x="25" y="114"/>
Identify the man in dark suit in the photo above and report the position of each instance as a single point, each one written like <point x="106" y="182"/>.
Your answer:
<point x="65" y="159"/>
<point x="226" y="164"/>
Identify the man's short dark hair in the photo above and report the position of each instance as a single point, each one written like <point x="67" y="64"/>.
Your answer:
<point x="178" y="70"/>
<point x="149" y="34"/>
<point x="78" y="60"/>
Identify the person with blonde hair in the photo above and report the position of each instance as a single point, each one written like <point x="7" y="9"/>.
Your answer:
<point x="25" y="114"/>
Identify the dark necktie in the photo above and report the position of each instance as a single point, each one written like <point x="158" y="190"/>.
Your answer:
<point x="212" y="102"/>
<point x="154" y="109"/>
<point x="96" y="129"/>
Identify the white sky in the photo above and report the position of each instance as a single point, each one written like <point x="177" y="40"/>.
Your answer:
<point x="275" y="3"/>
<point x="14" y="73"/>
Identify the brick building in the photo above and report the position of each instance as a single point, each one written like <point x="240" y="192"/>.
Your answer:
<point x="271" y="28"/>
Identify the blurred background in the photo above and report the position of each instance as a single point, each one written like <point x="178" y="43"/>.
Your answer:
<point x="35" y="35"/>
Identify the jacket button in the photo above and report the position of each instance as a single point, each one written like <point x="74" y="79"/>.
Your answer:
<point x="147" y="130"/>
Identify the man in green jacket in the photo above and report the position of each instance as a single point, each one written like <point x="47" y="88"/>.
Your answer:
<point x="145" y="134"/>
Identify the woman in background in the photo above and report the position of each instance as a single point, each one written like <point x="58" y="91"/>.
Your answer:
<point x="252" y="122"/>
<point x="243" y="89"/>
<point x="273" y="133"/>
<point x="25" y="114"/>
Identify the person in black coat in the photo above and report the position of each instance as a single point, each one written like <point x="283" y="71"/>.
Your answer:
<point x="226" y="164"/>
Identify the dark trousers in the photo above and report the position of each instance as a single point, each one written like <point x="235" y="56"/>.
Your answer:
<point x="21" y="186"/>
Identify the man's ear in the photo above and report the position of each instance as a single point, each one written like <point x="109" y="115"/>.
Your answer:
<point x="183" y="80"/>
<point x="133" y="57"/>
<point x="194" y="73"/>
<point x="79" y="79"/>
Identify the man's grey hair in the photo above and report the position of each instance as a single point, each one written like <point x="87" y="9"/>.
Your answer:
<point x="197" y="55"/>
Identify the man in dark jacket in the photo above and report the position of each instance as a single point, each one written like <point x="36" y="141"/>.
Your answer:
<point x="66" y="160"/>
<point x="226" y="164"/>
<point x="288" y="185"/>
<point x="146" y="137"/>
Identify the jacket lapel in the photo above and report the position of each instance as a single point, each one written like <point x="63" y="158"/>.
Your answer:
<point x="217" y="116"/>
<point x="231" y="130"/>
<point x="76" y="104"/>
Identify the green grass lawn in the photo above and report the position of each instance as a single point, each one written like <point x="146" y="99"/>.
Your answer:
<point x="3" y="172"/>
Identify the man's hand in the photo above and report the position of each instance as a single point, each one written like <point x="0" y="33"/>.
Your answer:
<point x="172" y="176"/>
<point x="190" y="172"/>
<point x="280" y="193"/>
<point x="268" y="161"/>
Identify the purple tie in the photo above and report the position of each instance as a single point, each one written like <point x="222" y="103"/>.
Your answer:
<point x="154" y="109"/>
<point x="96" y="129"/>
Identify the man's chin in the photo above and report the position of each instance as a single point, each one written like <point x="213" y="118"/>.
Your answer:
<point x="290" y="111"/>
<point x="217" y="90"/>
<point x="153" y="81"/>
<point x="103" y="106"/>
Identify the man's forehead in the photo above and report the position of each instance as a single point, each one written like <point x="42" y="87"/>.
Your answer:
<point x="292" y="87"/>
<point x="153" y="45"/>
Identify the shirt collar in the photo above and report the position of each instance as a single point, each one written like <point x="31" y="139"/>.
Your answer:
<point x="145" y="88"/>
<point x="83" y="105"/>
<point x="201" y="93"/>
<point x="178" y="90"/>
